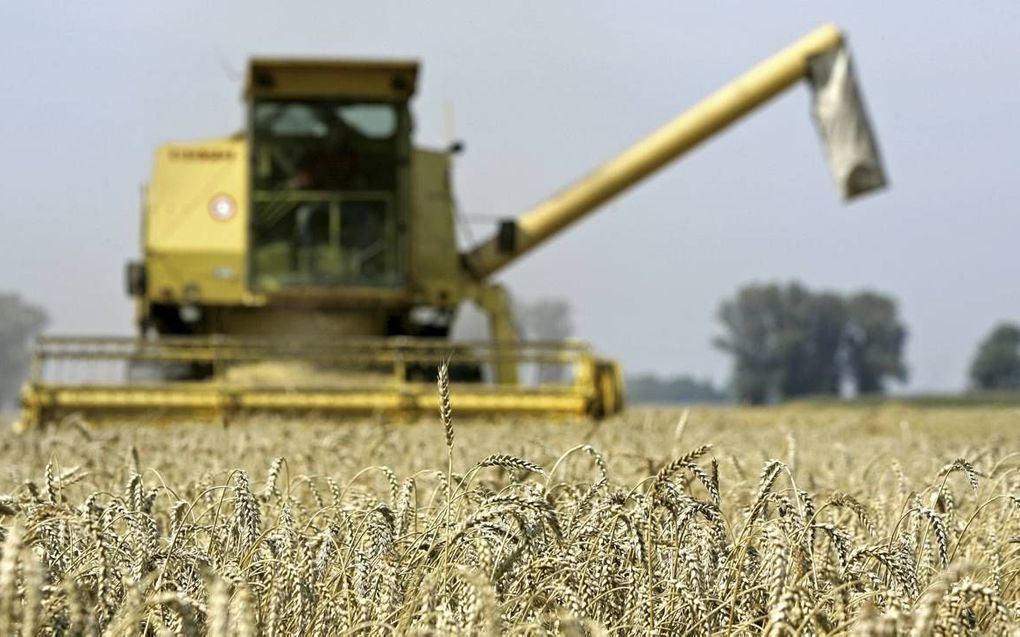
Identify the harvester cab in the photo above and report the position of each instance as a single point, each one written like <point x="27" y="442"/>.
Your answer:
<point x="310" y="263"/>
<point x="298" y="226"/>
<point x="329" y="178"/>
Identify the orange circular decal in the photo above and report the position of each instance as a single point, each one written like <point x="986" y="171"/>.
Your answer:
<point x="222" y="207"/>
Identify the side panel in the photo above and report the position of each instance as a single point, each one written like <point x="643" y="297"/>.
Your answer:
<point x="196" y="223"/>
<point x="435" y="266"/>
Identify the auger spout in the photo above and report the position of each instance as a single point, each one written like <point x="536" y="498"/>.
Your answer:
<point x="755" y="87"/>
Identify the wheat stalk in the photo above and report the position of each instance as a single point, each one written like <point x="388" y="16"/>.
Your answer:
<point x="192" y="549"/>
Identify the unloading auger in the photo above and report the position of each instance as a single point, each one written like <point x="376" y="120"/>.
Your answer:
<point x="310" y="263"/>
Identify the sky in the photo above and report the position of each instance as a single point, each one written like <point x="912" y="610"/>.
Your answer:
<point x="541" y="93"/>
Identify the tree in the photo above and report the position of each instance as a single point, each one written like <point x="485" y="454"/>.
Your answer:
<point x="810" y="347"/>
<point x="20" y="323"/>
<point x="756" y="324"/>
<point x="997" y="362"/>
<point x="784" y="340"/>
<point x="545" y="320"/>
<point x="874" y="342"/>
<point x="788" y="341"/>
<point x="541" y="320"/>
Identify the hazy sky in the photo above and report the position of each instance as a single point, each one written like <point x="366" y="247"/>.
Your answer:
<point x="542" y="92"/>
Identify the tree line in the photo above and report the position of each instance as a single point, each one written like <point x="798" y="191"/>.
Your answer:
<point x="654" y="389"/>
<point x="20" y="323"/>
<point x="788" y="341"/>
<point x="996" y="365"/>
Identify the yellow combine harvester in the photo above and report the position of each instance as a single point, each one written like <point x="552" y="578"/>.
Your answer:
<point x="310" y="263"/>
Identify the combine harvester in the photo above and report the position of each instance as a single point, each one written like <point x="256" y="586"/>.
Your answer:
<point x="310" y="263"/>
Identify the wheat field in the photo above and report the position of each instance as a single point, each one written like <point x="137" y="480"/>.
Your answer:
<point x="796" y="520"/>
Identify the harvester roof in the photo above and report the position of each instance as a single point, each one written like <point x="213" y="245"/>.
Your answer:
<point x="389" y="80"/>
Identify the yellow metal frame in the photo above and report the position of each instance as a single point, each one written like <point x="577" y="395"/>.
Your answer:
<point x="595" y="389"/>
<point x="45" y="403"/>
<point x="317" y="79"/>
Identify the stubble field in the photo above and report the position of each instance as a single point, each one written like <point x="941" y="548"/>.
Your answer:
<point x="885" y="520"/>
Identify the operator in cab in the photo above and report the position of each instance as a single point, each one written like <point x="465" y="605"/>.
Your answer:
<point x="335" y="165"/>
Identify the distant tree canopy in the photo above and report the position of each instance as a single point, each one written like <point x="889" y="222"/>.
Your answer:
<point x="546" y="320"/>
<point x="997" y="362"/>
<point x="788" y="341"/>
<point x="540" y="320"/>
<point x="652" y="389"/>
<point x="874" y="341"/>
<point x="20" y="322"/>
